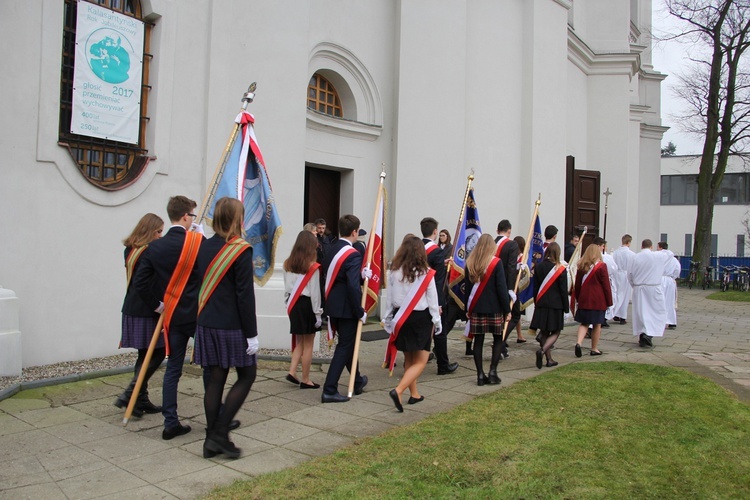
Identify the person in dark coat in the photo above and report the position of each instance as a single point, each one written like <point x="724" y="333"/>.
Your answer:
<point x="550" y="302"/>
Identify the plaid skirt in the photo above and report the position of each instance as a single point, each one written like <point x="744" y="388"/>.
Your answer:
<point x="482" y="324"/>
<point x="224" y="348"/>
<point x="137" y="332"/>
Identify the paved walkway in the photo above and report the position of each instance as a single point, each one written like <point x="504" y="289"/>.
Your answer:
<point x="67" y="441"/>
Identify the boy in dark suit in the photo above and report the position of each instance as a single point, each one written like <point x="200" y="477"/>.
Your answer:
<point x="508" y="254"/>
<point x="343" y="305"/>
<point x="158" y="263"/>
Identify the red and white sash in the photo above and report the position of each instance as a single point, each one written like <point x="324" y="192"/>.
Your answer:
<point x="430" y="247"/>
<point x="333" y="271"/>
<point x="476" y="292"/>
<point x="412" y="298"/>
<point x="500" y="245"/>
<point x="552" y="275"/>
<point x="300" y="285"/>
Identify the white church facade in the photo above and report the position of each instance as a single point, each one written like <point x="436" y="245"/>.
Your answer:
<point x="557" y="97"/>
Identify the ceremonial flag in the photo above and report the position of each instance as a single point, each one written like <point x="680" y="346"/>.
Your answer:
<point x="246" y="179"/>
<point x="573" y="264"/>
<point x="468" y="234"/>
<point x="376" y="265"/>
<point x="534" y="255"/>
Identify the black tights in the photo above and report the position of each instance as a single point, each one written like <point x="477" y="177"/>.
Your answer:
<point x="548" y="340"/>
<point x="497" y="349"/>
<point x="156" y="358"/>
<point x="219" y="416"/>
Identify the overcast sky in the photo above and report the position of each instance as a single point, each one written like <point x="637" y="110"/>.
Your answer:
<point x="669" y="58"/>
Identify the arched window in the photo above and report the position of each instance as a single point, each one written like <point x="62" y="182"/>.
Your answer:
<point x="106" y="163"/>
<point x="322" y="97"/>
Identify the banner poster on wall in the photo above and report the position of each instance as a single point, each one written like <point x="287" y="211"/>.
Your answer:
<point x="107" y="74"/>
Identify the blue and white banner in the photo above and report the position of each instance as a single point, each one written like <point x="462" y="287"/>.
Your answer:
<point x="469" y="232"/>
<point x="107" y="75"/>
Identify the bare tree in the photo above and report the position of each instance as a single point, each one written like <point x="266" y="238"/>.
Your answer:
<point x="717" y="91"/>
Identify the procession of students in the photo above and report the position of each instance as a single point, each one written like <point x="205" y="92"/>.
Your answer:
<point x="191" y="286"/>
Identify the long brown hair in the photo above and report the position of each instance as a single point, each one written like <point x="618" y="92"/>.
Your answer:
<point x="229" y="215"/>
<point x="411" y="258"/>
<point x="304" y="253"/>
<point x="552" y="253"/>
<point x="591" y="256"/>
<point x="479" y="258"/>
<point x="146" y="231"/>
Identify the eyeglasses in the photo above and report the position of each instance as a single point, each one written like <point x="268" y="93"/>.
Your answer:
<point x="192" y="215"/>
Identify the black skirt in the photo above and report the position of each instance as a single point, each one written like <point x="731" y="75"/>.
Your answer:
<point x="589" y="317"/>
<point x="302" y="318"/>
<point x="416" y="332"/>
<point x="547" y="320"/>
<point x="224" y="348"/>
<point x="137" y="332"/>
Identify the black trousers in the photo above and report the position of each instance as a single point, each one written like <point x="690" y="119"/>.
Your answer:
<point x="346" y="330"/>
<point x="452" y="312"/>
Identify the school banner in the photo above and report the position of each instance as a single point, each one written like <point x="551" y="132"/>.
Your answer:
<point x="107" y="75"/>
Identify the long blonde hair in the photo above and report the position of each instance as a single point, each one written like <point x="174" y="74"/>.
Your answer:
<point x="480" y="257"/>
<point x="229" y="215"/>
<point x="591" y="256"/>
<point x="146" y="231"/>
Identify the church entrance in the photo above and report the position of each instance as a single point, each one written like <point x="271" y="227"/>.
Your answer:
<point x="322" y="196"/>
<point x="582" y="196"/>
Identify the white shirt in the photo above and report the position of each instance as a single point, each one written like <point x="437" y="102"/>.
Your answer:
<point x="397" y="290"/>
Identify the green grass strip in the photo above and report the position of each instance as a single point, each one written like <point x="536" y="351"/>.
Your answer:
<point x="587" y="430"/>
<point x="730" y="296"/>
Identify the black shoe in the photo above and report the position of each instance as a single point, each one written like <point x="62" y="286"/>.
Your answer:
<point x="468" y="351"/>
<point x="550" y="364"/>
<point x="493" y="379"/>
<point x="588" y="333"/>
<point x="671" y="327"/>
<point x="616" y="318"/>
<point x="302" y="385"/>
<point x="333" y="398"/>
<point x="605" y="324"/>
<point x="124" y="400"/>
<point x="452" y="367"/>
<point x="504" y="355"/>
<point x="359" y="389"/>
<point x="413" y="401"/>
<point x="539" y="355"/>
<point x="291" y="378"/>
<point x="207" y="453"/>
<point x="234" y="424"/>
<point x="623" y="322"/>
<point x="145" y="405"/>
<point x="394" y="396"/>
<point x="173" y="432"/>
<point x="596" y="353"/>
<point x="641" y="341"/>
<point x="215" y="444"/>
<point x="432" y="356"/>
<point x="647" y="340"/>
<point x="482" y="379"/>
<point x="578" y="351"/>
<point x="520" y="341"/>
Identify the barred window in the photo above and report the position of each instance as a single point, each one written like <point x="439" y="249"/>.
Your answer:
<point x="322" y="97"/>
<point x="106" y="163"/>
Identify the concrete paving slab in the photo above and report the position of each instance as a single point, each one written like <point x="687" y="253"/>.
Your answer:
<point x="29" y="443"/>
<point x="71" y="461"/>
<point x="144" y="492"/>
<point x="48" y="491"/>
<point x="320" y="443"/>
<point x="16" y="405"/>
<point x="277" y="431"/>
<point x="22" y="471"/>
<point x="125" y="447"/>
<point x="272" y="460"/>
<point x="48" y="417"/>
<point x="164" y="465"/>
<point x="10" y="425"/>
<point x="200" y="482"/>
<point x="106" y="481"/>
<point x="84" y="431"/>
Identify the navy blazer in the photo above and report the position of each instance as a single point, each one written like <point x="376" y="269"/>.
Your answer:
<point x="157" y="264"/>
<point x="509" y="256"/>
<point x="557" y="295"/>
<point x="345" y="299"/>
<point x="232" y="304"/>
<point x="494" y="298"/>
<point x="436" y="260"/>
<point x="133" y="305"/>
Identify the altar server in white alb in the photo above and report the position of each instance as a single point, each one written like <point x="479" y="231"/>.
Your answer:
<point x="669" y="284"/>
<point x="623" y="257"/>
<point x="649" y="309"/>
<point x="612" y="269"/>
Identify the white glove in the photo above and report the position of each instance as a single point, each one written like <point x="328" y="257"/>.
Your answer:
<point x="252" y="346"/>
<point x="318" y="323"/>
<point x="512" y="295"/>
<point x="366" y="273"/>
<point x="197" y="228"/>
<point x="438" y="328"/>
<point x="159" y="309"/>
<point x="363" y="319"/>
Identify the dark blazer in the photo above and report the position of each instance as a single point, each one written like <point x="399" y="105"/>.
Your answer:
<point x="345" y="299"/>
<point x="436" y="260"/>
<point x="509" y="256"/>
<point x="557" y="295"/>
<point x="569" y="249"/>
<point x="157" y="264"/>
<point x="133" y="305"/>
<point x="597" y="294"/>
<point x="494" y="298"/>
<point x="232" y="305"/>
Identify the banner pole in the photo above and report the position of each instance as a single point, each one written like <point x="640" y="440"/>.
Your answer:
<point x="247" y="98"/>
<point x="461" y="215"/>
<point x="524" y="256"/>
<point x="371" y="240"/>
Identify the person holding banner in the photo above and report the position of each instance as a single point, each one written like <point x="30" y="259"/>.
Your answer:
<point x="302" y="297"/>
<point x="138" y="319"/>
<point x="550" y="302"/>
<point x="168" y="281"/>
<point x="488" y="306"/>
<point x="411" y="312"/>
<point x="592" y="295"/>
<point x="227" y="332"/>
<point x="508" y="253"/>
<point x="343" y="298"/>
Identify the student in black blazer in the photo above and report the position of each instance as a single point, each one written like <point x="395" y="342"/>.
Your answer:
<point x="344" y="309"/>
<point x="490" y="309"/>
<point x="436" y="260"/>
<point x="509" y="256"/>
<point x="550" y="308"/>
<point x="157" y="265"/>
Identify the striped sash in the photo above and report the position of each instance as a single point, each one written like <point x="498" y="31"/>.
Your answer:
<point x="219" y="267"/>
<point x="179" y="279"/>
<point x="133" y="257"/>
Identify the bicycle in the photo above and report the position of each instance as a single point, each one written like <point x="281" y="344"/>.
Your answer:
<point x="742" y="279"/>
<point x="693" y="275"/>
<point x="726" y="272"/>
<point x="707" y="277"/>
